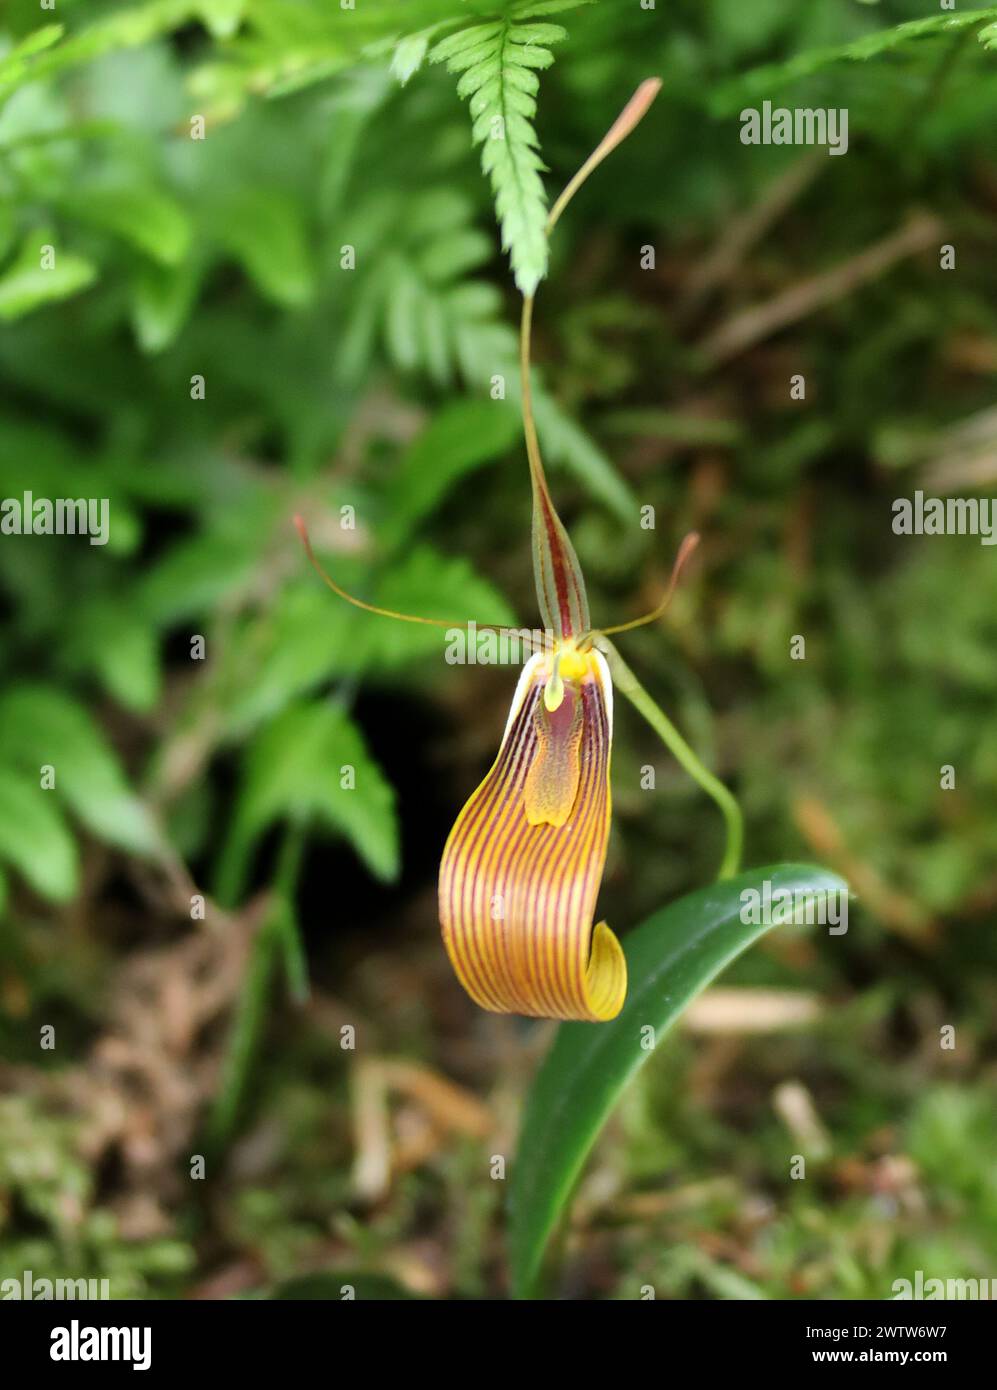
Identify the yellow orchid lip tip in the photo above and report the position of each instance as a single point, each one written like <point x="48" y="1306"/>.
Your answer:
<point x="522" y="866"/>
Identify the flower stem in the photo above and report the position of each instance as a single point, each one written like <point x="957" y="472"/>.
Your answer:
<point x="278" y="941"/>
<point x="630" y="686"/>
<point x="286" y="923"/>
<point x="630" y="116"/>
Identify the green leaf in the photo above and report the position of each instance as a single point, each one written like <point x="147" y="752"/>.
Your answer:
<point x="306" y="636"/>
<point x="671" y="958"/>
<point x="8" y="230"/>
<point x="15" y="67"/>
<point x="294" y="772"/>
<point x="497" y="63"/>
<point x="162" y="298"/>
<point x="222" y="17"/>
<point x="198" y="574"/>
<point x="40" y="725"/>
<point x="40" y="55"/>
<point x="25" y="285"/>
<point x="434" y="586"/>
<point x="410" y="54"/>
<point x="247" y="1025"/>
<point x="460" y="438"/>
<point x="34" y="837"/>
<point x="152" y="221"/>
<point x="403" y="318"/>
<point x="763" y="81"/>
<point x="111" y="639"/>
<point x="266" y="233"/>
<point x="129" y="666"/>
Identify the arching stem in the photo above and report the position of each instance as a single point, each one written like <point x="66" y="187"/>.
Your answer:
<point x="629" y="117"/>
<point x="631" y="114"/>
<point x="630" y="686"/>
<point x="529" y="423"/>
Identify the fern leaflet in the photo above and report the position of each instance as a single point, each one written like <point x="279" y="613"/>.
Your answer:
<point x="498" y="61"/>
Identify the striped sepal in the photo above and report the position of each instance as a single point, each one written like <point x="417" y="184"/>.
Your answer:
<point x="561" y="593"/>
<point x="517" y="898"/>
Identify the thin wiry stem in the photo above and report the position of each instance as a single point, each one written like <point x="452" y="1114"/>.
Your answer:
<point x="630" y="686"/>
<point x="631" y="114"/>
<point x="560" y="585"/>
<point x="625" y="679"/>
<point x="688" y="545"/>
<point x="529" y="423"/>
<point x="393" y="613"/>
<point x="628" y="118"/>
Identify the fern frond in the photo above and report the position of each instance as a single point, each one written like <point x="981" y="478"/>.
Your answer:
<point x="498" y="61"/>
<point x="763" y="81"/>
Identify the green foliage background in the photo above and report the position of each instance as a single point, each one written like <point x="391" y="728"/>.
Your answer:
<point x="370" y="388"/>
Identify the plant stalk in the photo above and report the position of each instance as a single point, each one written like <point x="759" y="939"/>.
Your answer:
<point x="627" y="682"/>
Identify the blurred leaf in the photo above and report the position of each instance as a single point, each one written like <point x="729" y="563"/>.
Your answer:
<point x="951" y="1136"/>
<point x="145" y="216"/>
<point x="125" y="29"/>
<point x="250" y="1015"/>
<point x="34" y="837"/>
<point x="130" y="667"/>
<point x="296" y="769"/>
<point x="457" y="440"/>
<point x="162" y="298"/>
<point x="404" y="317"/>
<point x="197" y="575"/>
<point x="764" y="81"/>
<point x="223" y="17"/>
<point x="674" y="426"/>
<point x="15" y="66"/>
<point x="671" y="958"/>
<point x="434" y="586"/>
<point x="7" y="231"/>
<point x="308" y="636"/>
<point x="111" y="639"/>
<point x="40" y="725"/>
<point x="304" y="638"/>
<point x="266" y="233"/>
<point x="25" y="285"/>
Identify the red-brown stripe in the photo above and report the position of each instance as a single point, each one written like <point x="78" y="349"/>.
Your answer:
<point x="534" y="959"/>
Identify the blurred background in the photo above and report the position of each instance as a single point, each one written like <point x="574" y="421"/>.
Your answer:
<point x="206" y="947"/>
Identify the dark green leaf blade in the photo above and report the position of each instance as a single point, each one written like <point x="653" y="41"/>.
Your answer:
<point x="671" y="958"/>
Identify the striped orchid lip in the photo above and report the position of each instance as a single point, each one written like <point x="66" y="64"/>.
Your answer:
<point x="522" y="866"/>
<point x="521" y="869"/>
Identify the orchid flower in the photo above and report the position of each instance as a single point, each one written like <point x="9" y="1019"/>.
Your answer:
<point x="522" y="866"/>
